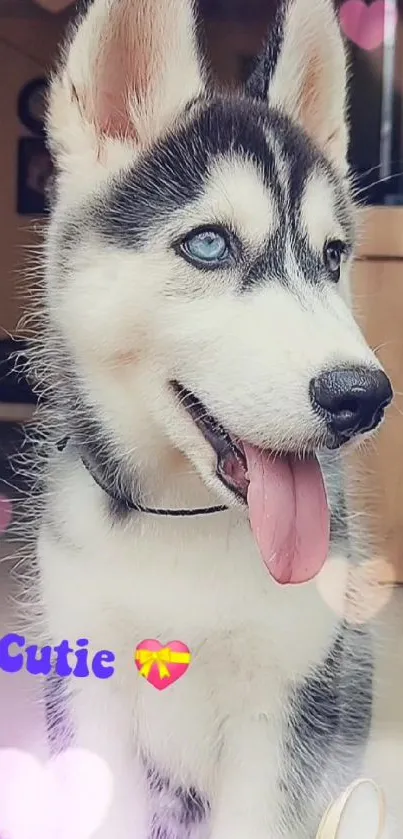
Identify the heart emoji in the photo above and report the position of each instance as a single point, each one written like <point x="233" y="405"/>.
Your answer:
<point x="364" y="24"/>
<point x="36" y="799"/>
<point x="162" y="665"/>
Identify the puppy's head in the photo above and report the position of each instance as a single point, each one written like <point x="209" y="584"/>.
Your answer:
<point x="203" y="240"/>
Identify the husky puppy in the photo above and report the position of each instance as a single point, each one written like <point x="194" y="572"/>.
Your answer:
<point x="199" y="360"/>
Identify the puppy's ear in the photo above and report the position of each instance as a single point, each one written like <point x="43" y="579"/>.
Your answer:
<point x="129" y="68"/>
<point x="303" y="73"/>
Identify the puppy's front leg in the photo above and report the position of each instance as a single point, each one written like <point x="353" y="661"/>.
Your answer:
<point x="247" y="802"/>
<point x="102" y="724"/>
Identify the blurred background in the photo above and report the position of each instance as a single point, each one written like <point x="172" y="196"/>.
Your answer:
<point x="30" y="32"/>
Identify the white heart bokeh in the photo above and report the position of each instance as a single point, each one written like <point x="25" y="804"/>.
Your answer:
<point x="68" y="796"/>
<point x="369" y="586"/>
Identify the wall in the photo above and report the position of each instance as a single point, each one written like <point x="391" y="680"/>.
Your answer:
<point x="27" y="47"/>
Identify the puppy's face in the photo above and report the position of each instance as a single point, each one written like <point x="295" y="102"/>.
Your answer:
<point x="208" y="240"/>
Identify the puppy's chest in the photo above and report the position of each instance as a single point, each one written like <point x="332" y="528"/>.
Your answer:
<point x="162" y="579"/>
<point x="208" y="588"/>
<point x="204" y="586"/>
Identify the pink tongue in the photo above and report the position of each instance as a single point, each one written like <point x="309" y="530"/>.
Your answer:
<point x="289" y="514"/>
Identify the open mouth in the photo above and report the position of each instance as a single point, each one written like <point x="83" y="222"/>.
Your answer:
<point x="232" y="468"/>
<point x="285" y="496"/>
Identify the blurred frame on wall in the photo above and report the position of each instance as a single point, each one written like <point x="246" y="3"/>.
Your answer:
<point x="35" y="169"/>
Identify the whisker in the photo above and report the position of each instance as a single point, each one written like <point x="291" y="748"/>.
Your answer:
<point x="378" y="183"/>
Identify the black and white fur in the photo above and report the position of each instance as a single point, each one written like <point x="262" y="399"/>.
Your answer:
<point x="272" y="717"/>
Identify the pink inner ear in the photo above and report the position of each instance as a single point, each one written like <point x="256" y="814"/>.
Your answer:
<point x="112" y="119"/>
<point x="128" y="68"/>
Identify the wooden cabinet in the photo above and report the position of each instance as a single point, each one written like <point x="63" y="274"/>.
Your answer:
<point x="378" y="293"/>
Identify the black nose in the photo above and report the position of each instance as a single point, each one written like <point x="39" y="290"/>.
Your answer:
<point x="352" y="400"/>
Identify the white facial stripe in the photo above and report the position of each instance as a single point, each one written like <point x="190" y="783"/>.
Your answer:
<point x="283" y="167"/>
<point x="236" y="194"/>
<point x="317" y="212"/>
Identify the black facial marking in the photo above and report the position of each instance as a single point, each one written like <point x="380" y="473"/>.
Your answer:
<point x="308" y="260"/>
<point x="269" y="263"/>
<point x="329" y="722"/>
<point x="138" y="202"/>
<point x="174" y="175"/>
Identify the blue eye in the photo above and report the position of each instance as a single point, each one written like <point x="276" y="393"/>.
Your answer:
<point x="206" y="248"/>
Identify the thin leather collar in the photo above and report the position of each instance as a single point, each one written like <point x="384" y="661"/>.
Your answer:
<point x="125" y="501"/>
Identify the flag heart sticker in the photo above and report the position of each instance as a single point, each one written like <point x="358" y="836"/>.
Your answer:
<point x="68" y="796"/>
<point x="162" y="665"/>
<point x="364" y="24"/>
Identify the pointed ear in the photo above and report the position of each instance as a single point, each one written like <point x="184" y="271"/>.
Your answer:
<point x="130" y="67"/>
<point x="303" y="72"/>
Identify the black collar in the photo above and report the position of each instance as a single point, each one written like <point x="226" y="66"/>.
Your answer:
<point x="124" y="500"/>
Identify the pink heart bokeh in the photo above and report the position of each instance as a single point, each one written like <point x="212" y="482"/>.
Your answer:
<point x="175" y="670"/>
<point x="364" y="24"/>
<point x="67" y="797"/>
